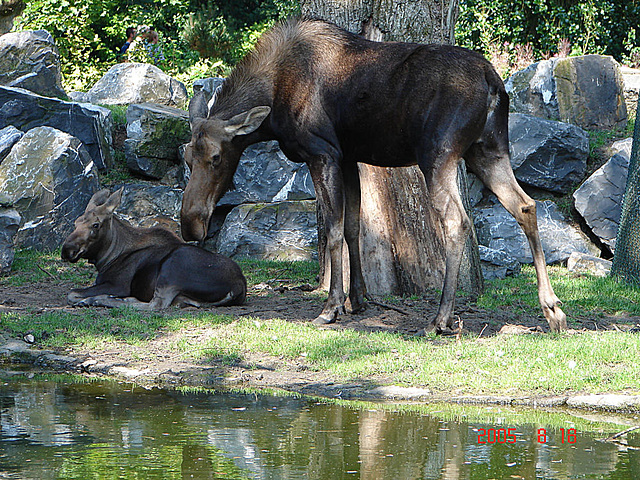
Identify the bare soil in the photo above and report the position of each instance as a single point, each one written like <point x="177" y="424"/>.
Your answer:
<point x="157" y="362"/>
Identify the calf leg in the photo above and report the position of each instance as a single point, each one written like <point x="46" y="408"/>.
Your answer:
<point x="327" y="180"/>
<point x="497" y="175"/>
<point x="357" y="288"/>
<point x="442" y="184"/>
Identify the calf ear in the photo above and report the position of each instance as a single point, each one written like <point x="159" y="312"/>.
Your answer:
<point x="198" y="107"/>
<point x="98" y="199"/>
<point x="247" y="122"/>
<point x="113" y="201"/>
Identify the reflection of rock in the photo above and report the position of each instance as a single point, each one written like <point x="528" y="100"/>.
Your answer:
<point x="587" y="91"/>
<point x="127" y="83"/>
<point x="30" y="60"/>
<point x="266" y="175"/>
<point x="498" y="230"/>
<point x="155" y="133"/>
<point x="90" y="124"/>
<point x="9" y="223"/>
<point x="546" y="154"/>
<point x="273" y="231"/>
<point x="49" y="178"/>
<point x="599" y="198"/>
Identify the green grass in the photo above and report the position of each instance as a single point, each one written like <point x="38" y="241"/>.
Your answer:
<point x="540" y="364"/>
<point x="581" y="295"/>
<point x="31" y="267"/>
<point x="269" y="271"/>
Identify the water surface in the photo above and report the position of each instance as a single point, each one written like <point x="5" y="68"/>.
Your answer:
<point x="54" y="429"/>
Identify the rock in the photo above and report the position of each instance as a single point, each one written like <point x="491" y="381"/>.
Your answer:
<point x="547" y="154"/>
<point x="155" y="133"/>
<point x="276" y="231"/>
<point x="265" y="174"/>
<point x="127" y="83"/>
<point x="582" y="263"/>
<point x="9" y="223"/>
<point x="209" y="85"/>
<point x="587" y="91"/>
<point x="497" y="264"/>
<point x="30" y="60"/>
<point x="631" y="78"/>
<point x="622" y="146"/>
<point x="91" y="124"/>
<point x="599" y="198"/>
<point x="49" y="178"/>
<point x="498" y="230"/>
<point x="9" y="136"/>
<point x="148" y="205"/>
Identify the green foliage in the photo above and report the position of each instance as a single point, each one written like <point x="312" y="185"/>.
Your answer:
<point x="590" y="26"/>
<point x="198" y="38"/>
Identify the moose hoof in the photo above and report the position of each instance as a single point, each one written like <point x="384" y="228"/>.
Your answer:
<point x="324" y="319"/>
<point x="355" y="307"/>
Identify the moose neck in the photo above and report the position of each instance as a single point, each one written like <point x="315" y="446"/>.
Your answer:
<point x="114" y="246"/>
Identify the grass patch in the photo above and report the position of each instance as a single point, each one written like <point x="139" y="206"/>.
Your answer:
<point x="271" y="271"/>
<point x="542" y="364"/>
<point x="581" y="295"/>
<point x="31" y="267"/>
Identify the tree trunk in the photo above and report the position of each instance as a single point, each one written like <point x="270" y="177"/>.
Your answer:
<point x="401" y="240"/>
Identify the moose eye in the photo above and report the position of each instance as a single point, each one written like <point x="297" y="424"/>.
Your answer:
<point x="216" y="159"/>
<point x="95" y="226"/>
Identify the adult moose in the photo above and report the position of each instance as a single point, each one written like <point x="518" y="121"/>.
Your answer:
<point x="146" y="268"/>
<point x="332" y="99"/>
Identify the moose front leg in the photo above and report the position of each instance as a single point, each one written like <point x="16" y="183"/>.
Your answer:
<point x="327" y="180"/>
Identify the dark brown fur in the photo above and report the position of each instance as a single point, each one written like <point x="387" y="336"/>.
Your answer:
<point x="147" y="268"/>
<point x="333" y="99"/>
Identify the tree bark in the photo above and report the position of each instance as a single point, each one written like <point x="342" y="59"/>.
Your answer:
<point x="401" y="239"/>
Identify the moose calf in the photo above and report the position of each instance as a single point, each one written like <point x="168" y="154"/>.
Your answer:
<point x="146" y="268"/>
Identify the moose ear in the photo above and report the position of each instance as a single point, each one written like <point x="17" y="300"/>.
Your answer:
<point x="198" y="106"/>
<point x="247" y="122"/>
<point x="98" y="199"/>
<point x="113" y="201"/>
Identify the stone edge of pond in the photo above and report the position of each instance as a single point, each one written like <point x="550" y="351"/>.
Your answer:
<point x="15" y="352"/>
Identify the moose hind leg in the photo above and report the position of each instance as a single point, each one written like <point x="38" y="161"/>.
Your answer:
<point x="443" y="190"/>
<point x="499" y="178"/>
<point x="357" y="288"/>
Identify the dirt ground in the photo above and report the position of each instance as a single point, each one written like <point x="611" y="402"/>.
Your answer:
<point x="157" y="362"/>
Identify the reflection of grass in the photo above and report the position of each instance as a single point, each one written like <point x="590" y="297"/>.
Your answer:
<point x="583" y="295"/>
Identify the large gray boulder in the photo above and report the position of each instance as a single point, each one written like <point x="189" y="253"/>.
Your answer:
<point x="208" y="85"/>
<point x="587" y="91"/>
<point x="599" y="198"/>
<point x="265" y="174"/>
<point x="91" y="124"/>
<point x="150" y="205"/>
<point x="498" y="230"/>
<point x="30" y="60"/>
<point x="9" y="136"/>
<point x="9" y="223"/>
<point x="49" y="178"/>
<point x="546" y="154"/>
<point x="127" y="83"/>
<point x="497" y="264"/>
<point x="155" y="133"/>
<point x="271" y="231"/>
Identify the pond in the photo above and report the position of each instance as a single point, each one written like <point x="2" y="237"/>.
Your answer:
<point x="57" y="427"/>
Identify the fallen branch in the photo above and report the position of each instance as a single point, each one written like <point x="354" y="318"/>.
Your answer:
<point x="388" y="307"/>
<point x="624" y="432"/>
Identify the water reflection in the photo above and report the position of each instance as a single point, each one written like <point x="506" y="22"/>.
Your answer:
<point x="104" y="430"/>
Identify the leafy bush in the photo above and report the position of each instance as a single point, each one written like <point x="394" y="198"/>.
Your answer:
<point x="589" y="26"/>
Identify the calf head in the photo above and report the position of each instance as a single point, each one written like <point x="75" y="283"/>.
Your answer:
<point x="212" y="156"/>
<point x="92" y="227"/>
